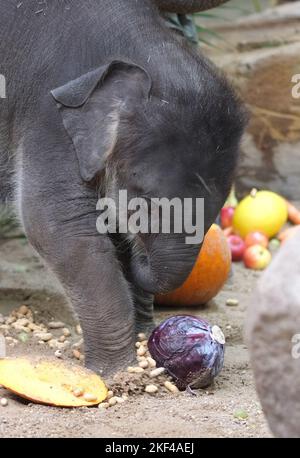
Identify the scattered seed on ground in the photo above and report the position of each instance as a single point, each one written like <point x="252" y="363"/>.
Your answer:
<point x="56" y="325"/>
<point x="112" y="401"/>
<point x="76" y="354"/>
<point x="104" y="405"/>
<point x="78" y="330"/>
<point x="66" y="332"/>
<point x="78" y="392"/>
<point x="78" y="344"/>
<point x="141" y="351"/>
<point x="3" y="402"/>
<point x="232" y="302"/>
<point x="171" y="387"/>
<point x="23" y="310"/>
<point x="142" y="336"/>
<point x="151" y="389"/>
<point x="151" y="361"/>
<point x="44" y="336"/>
<point x="157" y="372"/>
<point x="89" y="397"/>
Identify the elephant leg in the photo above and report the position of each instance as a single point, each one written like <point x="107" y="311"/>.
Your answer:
<point x="59" y="218"/>
<point x="144" y="311"/>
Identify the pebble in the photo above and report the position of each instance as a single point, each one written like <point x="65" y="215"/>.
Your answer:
<point x="151" y="389"/>
<point x="58" y="354"/>
<point x="157" y="372"/>
<point x="232" y="302"/>
<point x="171" y="387"/>
<point x="3" y="402"/>
<point x="56" y="325"/>
<point x="110" y="394"/>
<point x="143" y="364"/>
<point x="61" y="339"/>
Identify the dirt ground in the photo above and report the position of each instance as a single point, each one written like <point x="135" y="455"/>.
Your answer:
<point x="212" y="413"/>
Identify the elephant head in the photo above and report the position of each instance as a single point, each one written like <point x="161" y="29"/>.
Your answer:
<point x="156" y="135"/>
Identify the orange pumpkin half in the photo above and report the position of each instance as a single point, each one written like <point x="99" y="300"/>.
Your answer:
<point x="208" y="275"/>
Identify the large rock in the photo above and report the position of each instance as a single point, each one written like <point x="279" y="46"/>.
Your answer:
<point x="273" y="334"/>
<point x="261" y="54"/>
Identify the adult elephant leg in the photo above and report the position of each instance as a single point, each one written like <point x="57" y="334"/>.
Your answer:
<point x="59" y="216"/>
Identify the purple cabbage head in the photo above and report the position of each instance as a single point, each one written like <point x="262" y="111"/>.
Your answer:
<point x="189" y="349"/>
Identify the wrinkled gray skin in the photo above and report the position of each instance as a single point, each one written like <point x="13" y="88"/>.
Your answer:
<point x="101" y="96"/>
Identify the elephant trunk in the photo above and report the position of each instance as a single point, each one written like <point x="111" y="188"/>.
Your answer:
<point x="164" y="268"/>
<point x="187" y="6"/>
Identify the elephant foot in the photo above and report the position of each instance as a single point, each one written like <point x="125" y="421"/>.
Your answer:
<point x="107" y="369"/>
<point x="145" y="327"/>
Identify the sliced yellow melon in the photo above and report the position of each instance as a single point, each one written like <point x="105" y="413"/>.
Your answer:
<point x="52" y="382"/>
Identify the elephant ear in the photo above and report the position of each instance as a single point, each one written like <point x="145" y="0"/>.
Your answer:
<point x="90" y="107"/>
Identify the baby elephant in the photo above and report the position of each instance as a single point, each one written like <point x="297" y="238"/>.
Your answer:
<point x="273" y="329"/>
<point x="101" y="97"/>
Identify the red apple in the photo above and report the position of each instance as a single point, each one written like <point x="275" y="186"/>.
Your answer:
<point x="257" y="257"/>
<point x="237" y="246"/>
<point x="227" y="216"/>
<point x="256" y="238"/>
